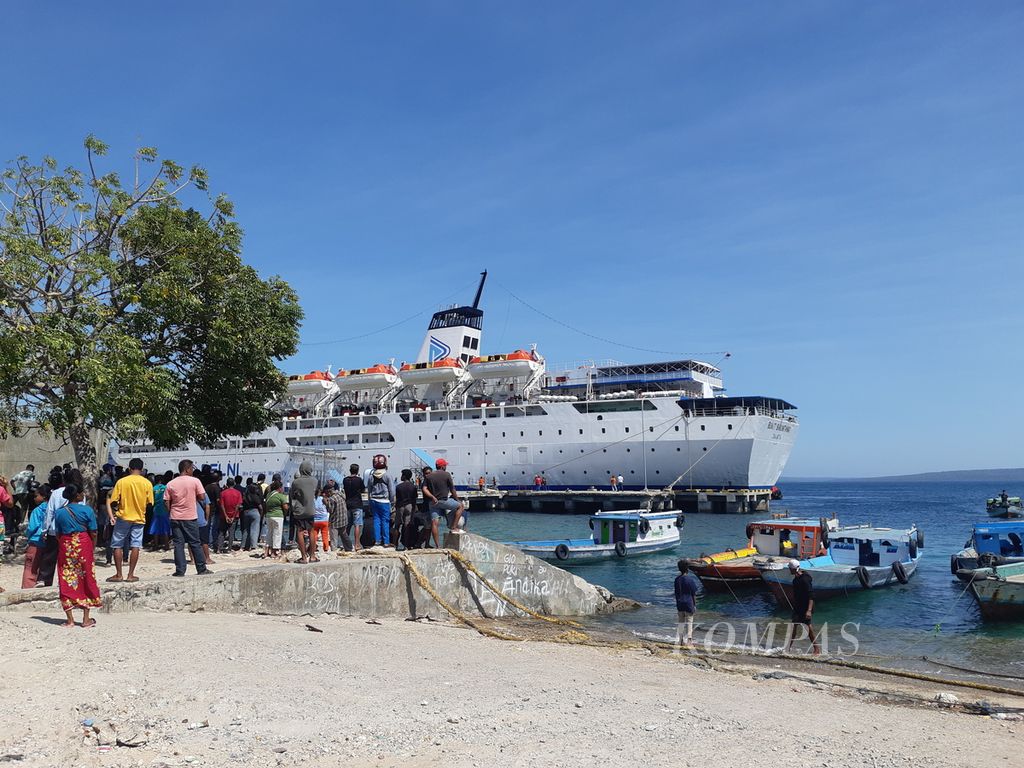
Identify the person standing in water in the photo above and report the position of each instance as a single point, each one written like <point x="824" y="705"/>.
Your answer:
<point x="686" y="589"/>
<point x="803" y="605"/>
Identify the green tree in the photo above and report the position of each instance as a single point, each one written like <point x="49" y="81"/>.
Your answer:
<point x="127" y="311"/>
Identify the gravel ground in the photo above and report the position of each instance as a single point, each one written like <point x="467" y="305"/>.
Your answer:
<point x="233" y="690"/>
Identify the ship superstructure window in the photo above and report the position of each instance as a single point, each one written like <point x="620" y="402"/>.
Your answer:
<point x="615" y="406"/>
<point x="258" y="443"/>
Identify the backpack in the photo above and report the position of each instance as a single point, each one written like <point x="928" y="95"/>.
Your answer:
<point x="379" y="487"/>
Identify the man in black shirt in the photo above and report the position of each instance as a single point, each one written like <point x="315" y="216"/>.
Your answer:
<point x="406" y="495"/>
<point x="803" y="604"/>
<point x="353" y="486"/>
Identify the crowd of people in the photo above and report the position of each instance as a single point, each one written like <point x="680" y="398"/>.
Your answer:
<point x="198" y="514"/>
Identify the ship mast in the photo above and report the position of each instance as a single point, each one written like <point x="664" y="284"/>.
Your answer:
<point x="480" y="289"/>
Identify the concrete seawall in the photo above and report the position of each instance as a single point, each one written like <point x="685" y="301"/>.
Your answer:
<point x="372" y="585"/>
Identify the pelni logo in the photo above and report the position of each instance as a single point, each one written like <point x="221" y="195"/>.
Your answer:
<point x="438" y="349"/>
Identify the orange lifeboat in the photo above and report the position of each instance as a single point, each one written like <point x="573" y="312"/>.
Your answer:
<point x="311" y="383"/>
<point x="445" y="370"/>
<point x="512" y="365"/>
<point x="375" y="377"/>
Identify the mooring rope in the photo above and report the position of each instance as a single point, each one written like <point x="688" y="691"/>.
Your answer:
<point x="468" y="564"/>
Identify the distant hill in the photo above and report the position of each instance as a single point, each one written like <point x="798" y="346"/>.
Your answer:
<point x="1003" y="477"/>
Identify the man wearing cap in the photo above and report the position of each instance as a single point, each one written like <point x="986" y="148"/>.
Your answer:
<point x="133" y="497"/>
<point x="803" y="604"/>
<point x="439" y="487"/>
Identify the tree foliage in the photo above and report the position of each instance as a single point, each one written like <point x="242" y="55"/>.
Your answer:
<point x="125" y="310"/>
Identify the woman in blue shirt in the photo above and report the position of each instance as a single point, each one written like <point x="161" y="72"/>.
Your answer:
<point x="75" y="524"/>
<point x="34" y="534"/>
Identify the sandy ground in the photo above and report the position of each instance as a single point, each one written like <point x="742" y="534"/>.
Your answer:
<point x="267" y="691"/>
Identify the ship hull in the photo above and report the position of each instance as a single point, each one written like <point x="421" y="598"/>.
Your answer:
<point x="570" y="446"/>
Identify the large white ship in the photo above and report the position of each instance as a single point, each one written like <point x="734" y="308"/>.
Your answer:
<point x="510" y="417"/>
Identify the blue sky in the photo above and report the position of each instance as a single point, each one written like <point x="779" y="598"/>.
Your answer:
<point x="833" y="192"/>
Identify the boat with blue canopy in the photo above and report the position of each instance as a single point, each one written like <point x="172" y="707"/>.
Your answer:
<point x="859" y="557"/>
<point x="615" y="534"/>
<point x="991" y="543"/>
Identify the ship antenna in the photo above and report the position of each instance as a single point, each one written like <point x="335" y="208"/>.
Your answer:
<point x="480" y="289"/>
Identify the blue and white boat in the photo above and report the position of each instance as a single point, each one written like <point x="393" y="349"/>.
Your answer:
<point x="615" y="534"/>
<point x="991" y="544"/>
<point x="858" y="557"/>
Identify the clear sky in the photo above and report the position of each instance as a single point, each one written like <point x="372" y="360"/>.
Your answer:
<point x="832" y="192"/>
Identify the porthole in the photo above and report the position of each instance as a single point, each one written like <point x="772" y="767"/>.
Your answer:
<point x="702" y="427"/>
<point x="730" y="426"/>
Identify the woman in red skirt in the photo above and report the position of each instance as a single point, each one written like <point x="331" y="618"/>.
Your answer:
<point x="76" y="572"/>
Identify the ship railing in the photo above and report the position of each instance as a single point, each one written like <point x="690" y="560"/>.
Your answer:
<point x="739" y="411"/>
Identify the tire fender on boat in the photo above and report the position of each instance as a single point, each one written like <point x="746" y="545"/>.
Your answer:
<point x="679" y="521"/>
<point x="863" y="577"/>
<point x="920" y="539"/>
<point x="562" y="552"/>
<point x="750" y="530"/>
<point x="620" y="548"/>
<point x="645" y="526"/>
<point x="953" y="568"/>
<point x="900" y="572"/>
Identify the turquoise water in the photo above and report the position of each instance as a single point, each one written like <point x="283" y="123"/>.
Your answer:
<point x="931" y="616"/>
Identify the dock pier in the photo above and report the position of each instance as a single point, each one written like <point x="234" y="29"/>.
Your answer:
<point x="587" y="502"/>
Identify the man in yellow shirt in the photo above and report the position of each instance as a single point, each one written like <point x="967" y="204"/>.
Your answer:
<point x="133" y="495"/>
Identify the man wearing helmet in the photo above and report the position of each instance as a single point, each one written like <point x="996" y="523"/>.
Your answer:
<point x="440" y="489"/>
<point x="380" y="488"/>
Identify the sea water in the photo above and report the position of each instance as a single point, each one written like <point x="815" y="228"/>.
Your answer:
<point x="933" y="616"/>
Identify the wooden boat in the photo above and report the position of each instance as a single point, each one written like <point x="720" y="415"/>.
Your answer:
<point x="991" y="543"/>
<point x="615" y="534"/>
<point x="1010" y="507"/>
<point x="858" y="558"/>
<point x="782" y="536"/>
<point x="1000" y="591"/>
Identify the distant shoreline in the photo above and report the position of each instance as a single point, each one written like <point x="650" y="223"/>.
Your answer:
<point x="1004" y="476"/>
